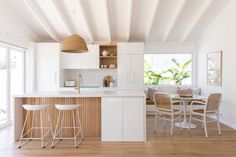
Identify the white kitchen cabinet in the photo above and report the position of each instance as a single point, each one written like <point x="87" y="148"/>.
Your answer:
<point x="130" y="66"/>
<point x="88" y="60"/>
<point x="111" y="119"/>
<point x="131" y="72"/>
<point x="123" y="119"/>
<point x="47" y="66"/>
<point x="130" y="48"/>
<point x="133" y="115"/>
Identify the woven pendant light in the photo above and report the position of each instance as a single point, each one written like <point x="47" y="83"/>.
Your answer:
<point x="74" y="44"/>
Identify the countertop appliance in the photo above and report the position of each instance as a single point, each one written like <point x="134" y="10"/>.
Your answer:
<point x="70" y="83"/>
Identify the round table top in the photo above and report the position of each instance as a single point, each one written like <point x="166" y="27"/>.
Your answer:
<point x="193" y="97"/>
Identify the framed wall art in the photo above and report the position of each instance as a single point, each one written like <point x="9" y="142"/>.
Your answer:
<point x="214" y="68"/>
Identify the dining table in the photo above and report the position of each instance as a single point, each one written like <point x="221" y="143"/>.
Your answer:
<point x="185" y="100"/>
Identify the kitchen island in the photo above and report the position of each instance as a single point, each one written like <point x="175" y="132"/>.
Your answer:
<point x="112" y="115"/>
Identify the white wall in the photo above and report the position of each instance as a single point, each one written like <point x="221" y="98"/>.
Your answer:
<point x="221" y="35"/>
<point x="14" y="31"/>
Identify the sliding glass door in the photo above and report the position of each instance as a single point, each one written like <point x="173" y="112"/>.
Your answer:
<point x="3" y="85"/>
<point x="11" y="79"/>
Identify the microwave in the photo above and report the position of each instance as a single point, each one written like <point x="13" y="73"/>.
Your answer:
<point x="70" y="83"/>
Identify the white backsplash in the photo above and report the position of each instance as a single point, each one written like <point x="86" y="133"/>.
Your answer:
<point x="91" y="78"/>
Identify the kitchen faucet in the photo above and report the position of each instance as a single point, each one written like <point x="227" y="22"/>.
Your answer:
<point x="79" y="82"/>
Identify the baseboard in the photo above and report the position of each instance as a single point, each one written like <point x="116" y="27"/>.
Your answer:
<point x="229" y="124"/>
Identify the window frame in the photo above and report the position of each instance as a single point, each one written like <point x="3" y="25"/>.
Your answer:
<point x="192" y="67"/>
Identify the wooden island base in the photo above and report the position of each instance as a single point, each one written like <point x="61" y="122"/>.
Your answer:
<point x="89" y="112"/>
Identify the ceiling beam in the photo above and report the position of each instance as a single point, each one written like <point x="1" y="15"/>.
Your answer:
<point x="59" y="10"/>
<point x="152" y="20"/>
<point x="85" y="20"/>
<point x="107" y="19"/>
<point x="173" y="20"/>
<point x="41" y="19"/>
<point x="130" y="19"/>
<point x="195" y="20"/>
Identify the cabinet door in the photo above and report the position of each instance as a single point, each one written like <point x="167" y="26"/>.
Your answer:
<point x="130" y="48"/>
<point x="47" y="66"/>
<point x="133" y="119"/>
<point x="75" y="60"/>
<point x="94" y="56"/>
<point x="111" y="119"/>
<point x="88" y="60"/>
<point x="137" y="72"/>
<point x="124" y="76"/>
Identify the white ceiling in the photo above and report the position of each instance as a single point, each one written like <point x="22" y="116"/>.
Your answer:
<point x="117" y="20"/>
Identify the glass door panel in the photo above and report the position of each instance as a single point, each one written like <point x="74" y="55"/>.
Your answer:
<point x="16" y="74"/>
<point x="3" y="85"/>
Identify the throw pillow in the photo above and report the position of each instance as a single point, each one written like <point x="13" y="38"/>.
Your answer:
<point x="184" y="91"/>
<point x="151" y="91"/>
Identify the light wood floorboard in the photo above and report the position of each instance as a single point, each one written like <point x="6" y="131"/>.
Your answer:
<point x="181" y="144"/>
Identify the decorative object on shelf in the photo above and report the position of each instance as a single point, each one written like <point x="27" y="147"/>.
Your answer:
<point x="214" y="68"/>
<point x="107" y="80"/>
<point x="74" y="44"/>
<point x="105" y="53"/>
<point x="112" y="66"/>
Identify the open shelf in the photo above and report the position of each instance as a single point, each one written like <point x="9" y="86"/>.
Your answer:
<point x="110" y="58"/>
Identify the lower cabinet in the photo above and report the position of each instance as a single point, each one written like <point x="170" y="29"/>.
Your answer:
<point x="111" y="119"/>
<point x="123" y="119"/>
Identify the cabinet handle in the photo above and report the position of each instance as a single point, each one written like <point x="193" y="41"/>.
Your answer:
<point x="134" y="78"/>
<point x="127" y="78"/>
<point x="55" y="77"/>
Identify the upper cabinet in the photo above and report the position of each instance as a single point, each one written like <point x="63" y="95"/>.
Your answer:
<point x="130" y="66"/>
<point x="47" y="66"/>
<point x="130" y="48"/>
<point x="88" y="60"/>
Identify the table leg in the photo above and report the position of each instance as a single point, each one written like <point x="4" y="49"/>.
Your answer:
<point x="185" y="123"/>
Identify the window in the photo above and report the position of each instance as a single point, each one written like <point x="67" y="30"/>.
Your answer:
<point x="168" y="69"/>
<point x="11" y="78"/>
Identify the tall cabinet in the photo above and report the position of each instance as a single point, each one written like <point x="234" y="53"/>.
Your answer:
<point x="47" y="66"/>
<point x="130" y="66"/>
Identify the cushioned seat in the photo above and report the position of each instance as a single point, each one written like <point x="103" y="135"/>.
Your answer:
<point x="149" y="102"/>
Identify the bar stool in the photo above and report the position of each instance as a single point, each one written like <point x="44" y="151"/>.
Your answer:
<point x="43" y="110"/>
<point x="74" y="109"/>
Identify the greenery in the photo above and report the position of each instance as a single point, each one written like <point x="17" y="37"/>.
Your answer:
<point x="177" y="73"/>
<point x="151" y="77"/>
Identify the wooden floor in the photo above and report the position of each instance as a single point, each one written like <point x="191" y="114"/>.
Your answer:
<point x="181" y="144"/>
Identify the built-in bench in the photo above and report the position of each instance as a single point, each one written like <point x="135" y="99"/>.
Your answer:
<point x="149" y="90"/>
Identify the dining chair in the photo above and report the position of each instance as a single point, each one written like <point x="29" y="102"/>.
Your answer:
<point x="210" y="109"/>
<point x="164" y="109"/>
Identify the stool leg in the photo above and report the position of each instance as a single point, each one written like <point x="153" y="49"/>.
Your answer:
<point x="32" y="125"/>
<point x="73" y="118"/>
<point x="80" y="126"/>
<point x="41" y="126"/>
<point x="22" y="132"/>
<point x="56" y="129"/>
<point x="50" y="124"/>
<point x="62" y="123"/>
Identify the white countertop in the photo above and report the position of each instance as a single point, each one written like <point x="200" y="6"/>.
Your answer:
<point x="85" y="93"/>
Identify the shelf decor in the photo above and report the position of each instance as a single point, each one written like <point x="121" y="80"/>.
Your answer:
<point x="214" y="68"/>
